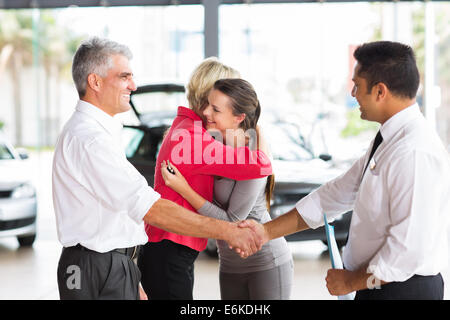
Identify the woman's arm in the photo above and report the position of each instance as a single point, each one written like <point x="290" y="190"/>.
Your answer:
<point x="218" y="159"/>
<point x="262" y="143"/>
<point x="242" y="199"/>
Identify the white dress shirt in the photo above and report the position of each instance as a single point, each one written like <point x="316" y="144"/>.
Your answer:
<point x="99" y="198"/>
<point x="401" y="205"/>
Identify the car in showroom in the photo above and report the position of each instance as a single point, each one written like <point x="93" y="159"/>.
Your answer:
<point x="18" y="204"/>
<point x="298" y="171"/>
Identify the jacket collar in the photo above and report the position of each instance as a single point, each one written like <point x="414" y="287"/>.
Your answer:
<point x="186" y="112"/>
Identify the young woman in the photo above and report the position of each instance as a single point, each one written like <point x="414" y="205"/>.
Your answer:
<point x="233" y="108"/>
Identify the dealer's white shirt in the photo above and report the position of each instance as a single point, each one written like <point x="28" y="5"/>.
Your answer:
<point x="99" y="198"/>
<point x="401" y="206"/>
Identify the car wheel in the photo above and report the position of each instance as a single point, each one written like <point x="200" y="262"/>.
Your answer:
<point x="211" y="248"/>
<point x="26" y="241"/>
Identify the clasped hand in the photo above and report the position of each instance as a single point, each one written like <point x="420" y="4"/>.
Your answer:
<point x="251" y="239"/>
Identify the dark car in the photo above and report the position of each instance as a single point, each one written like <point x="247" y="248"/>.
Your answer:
<point x="155" y="108"/>
<point x="297" y="170"/>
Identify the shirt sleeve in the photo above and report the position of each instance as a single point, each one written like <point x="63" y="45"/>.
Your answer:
<point x="333" y="198"/>
<point x="242" y="200"/>
<point x="413" y="184"/>
<point x="111" y="178"/>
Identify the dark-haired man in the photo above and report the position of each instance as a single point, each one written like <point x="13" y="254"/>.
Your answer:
<point x="399" y="190"/>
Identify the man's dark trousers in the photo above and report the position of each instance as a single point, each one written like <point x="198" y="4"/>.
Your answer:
<point x="89" y="275"/>
<point x="415" y="288"/>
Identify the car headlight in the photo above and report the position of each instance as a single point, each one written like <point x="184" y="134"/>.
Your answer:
<point x="23" y="191"/>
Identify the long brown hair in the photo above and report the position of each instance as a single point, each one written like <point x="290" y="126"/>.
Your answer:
<point x="245" y="101"/>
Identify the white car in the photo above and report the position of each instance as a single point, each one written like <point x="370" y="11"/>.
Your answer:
<point x="18" y="204"/>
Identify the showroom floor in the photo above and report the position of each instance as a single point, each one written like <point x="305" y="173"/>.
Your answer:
<point x="30" y="273"/>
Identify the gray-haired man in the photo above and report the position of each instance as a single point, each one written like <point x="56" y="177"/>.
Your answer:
<point x="100" y="200"/>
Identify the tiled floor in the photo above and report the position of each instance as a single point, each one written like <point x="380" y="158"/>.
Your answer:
<point x="31" y="273"/>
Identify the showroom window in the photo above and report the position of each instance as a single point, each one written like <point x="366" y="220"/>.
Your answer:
<point x="299" y="58"/>
<point x="297" y="55"/>
<point x="166" y="42"/>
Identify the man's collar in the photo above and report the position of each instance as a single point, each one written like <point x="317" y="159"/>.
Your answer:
<point x="399" y="120"/>
<point x="109" y="123"/>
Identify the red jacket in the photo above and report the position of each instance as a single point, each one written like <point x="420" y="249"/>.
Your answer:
<point x="199" y="158"/>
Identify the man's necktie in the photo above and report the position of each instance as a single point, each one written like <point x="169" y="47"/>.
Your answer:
<point x="376" y="143"/>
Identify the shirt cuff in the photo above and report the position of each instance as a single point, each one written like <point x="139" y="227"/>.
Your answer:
<point x="145" y="200"/>
<point x="310" y="210"/>
<point x="383" y="271"/>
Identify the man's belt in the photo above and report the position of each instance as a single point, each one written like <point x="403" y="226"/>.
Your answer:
<point x="130" y="252"/>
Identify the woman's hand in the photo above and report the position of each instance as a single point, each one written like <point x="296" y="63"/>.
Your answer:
<point x="178" y="183"/>
<point x="262" y="143"/>
<point x="175" y="180"/>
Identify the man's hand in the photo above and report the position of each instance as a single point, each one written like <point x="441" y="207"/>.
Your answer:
<point x="259" y="235"/>
<point x="256" y="228"/>
<point x="339" y="281"/>
<point x="244" y="240"/>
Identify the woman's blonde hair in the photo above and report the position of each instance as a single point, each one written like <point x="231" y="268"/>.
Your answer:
<point x="202" y="80"/>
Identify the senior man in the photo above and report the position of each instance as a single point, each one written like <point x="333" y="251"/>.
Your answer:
<point x="100" y="200"/>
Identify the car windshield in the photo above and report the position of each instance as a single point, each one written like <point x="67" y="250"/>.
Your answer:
<point x="5" y="153"/>
<point x="158" y="101"/>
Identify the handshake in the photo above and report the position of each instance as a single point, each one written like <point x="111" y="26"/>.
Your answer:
<point x="247" y="237"/>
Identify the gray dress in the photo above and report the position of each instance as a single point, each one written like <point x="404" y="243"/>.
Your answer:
<point x="240" y="200"/>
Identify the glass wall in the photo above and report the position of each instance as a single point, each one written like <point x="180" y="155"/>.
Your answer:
<point x="37" y="49"/>
<point x="299" y="58"/>
<point x="442" y="66"/>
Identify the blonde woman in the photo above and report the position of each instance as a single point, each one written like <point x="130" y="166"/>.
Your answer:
<point x="167" y="260"/>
